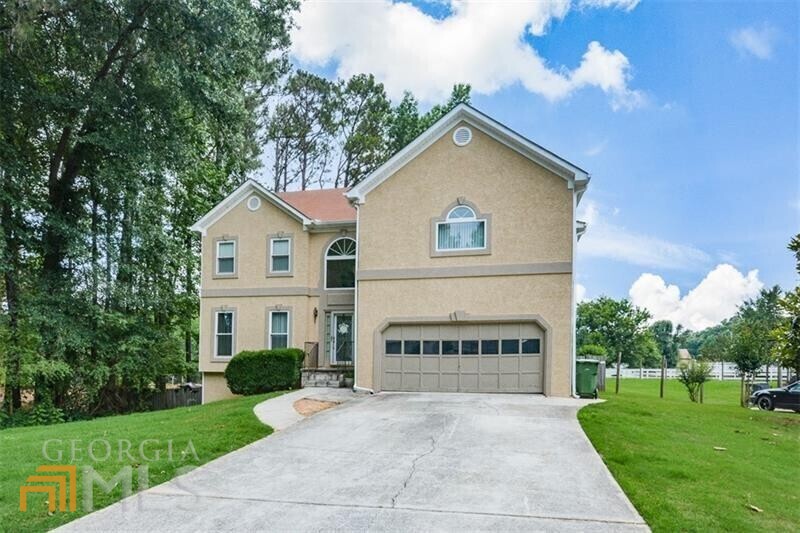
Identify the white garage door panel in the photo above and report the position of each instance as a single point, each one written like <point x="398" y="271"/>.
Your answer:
<point x="463" y="358"/>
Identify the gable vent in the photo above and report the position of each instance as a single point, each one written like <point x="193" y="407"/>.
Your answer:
<point x="462" y="136"/>
<point x="253" y="203"/>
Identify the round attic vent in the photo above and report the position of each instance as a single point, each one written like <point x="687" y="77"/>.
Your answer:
<point x="253" y="203"/>
<point x="462" y="136"/>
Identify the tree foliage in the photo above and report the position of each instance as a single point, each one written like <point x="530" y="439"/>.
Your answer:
<point x="618" y="326"/>
<point x="122" y="122"/>
<point x="321" y="133"/>
<point x="786" y="335"/>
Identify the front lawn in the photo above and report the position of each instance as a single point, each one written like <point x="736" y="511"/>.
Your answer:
<point x="662" y="453"/>
<point x="166" y="442"/>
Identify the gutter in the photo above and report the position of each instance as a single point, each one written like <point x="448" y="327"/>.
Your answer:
<point x="574" y="309"/>
<point x="356" y="387"/>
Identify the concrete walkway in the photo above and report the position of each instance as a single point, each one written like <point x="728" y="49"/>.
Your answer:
<point x="398" y="462"/>
<point x="279" y="412"/>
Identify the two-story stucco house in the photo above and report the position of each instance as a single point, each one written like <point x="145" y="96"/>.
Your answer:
<point x="449" y="268"/>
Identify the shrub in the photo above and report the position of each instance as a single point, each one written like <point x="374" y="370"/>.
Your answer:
<point x="592" y="349"/>
<point x="693" y="376"/>
<point x="257" y="372"/>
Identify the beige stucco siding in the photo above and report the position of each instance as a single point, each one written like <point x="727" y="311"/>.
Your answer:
<point x="530" y="207"/>
<point x="250" y="329"/>
<point x="531" y="214"/>
<point x="251" y="228"/>
<point x="215" y="387"/>
<point x="545" y="295"/>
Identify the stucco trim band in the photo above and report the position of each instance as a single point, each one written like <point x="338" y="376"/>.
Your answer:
<point x="259" y="291"/>
<point x="563" y="267"/>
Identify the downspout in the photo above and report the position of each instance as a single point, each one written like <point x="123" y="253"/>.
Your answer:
<point x="574" y="310"/>
<point x="356" y="388"/>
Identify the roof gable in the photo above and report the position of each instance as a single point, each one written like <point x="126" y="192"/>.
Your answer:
<point x="243" y="191"/>
<point x="576" y="177"/>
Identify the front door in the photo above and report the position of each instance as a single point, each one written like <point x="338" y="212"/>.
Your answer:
<point x="342" y="338"/>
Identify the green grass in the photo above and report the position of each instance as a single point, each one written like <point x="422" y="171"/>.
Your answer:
<point x="662" y="454"/>
<point x="213" y="430"/>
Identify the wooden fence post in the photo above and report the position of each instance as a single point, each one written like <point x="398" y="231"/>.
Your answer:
<point x="663" y="374"/>
<point x="619" y="363"/>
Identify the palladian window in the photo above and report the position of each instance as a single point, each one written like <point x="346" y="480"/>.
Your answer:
<point x="461" y="230"/>
<point x="340" y="264"/>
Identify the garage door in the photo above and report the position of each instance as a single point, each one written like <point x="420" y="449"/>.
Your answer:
<point x="463" y="358"/>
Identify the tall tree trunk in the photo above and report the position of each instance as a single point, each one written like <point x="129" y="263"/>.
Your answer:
<point x="13" y="362"/>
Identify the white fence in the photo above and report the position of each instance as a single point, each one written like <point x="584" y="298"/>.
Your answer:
<point x="722" y="371"/>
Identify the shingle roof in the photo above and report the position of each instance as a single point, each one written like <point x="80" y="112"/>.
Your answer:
<point x="325" y="205"/>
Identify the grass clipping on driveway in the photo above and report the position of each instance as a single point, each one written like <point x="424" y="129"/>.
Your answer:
<point x="693" y="467"/>
<point x="168" y="443"/>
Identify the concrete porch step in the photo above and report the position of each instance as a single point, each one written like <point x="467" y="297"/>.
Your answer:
<point x="322" y="377"/>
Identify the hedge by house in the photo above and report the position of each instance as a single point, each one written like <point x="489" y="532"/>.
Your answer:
<point x="260" y="371"/>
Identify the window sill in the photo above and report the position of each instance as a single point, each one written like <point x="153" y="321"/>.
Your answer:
<point x="459" y="253"/>
<point x="280" y="274"/>
<point x="225" y="276"/>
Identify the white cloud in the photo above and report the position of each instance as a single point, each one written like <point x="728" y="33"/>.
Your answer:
<point x="756" y="41"/>
<point x="626" y="5"/>
<point x="596" y="149"/>
<point x="714" y="299"/>
<point x="607" y="240"/>
<point x="477" y="43"/>
<point x="580" y="293"/>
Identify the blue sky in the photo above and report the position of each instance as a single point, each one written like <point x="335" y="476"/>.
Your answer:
<point x="686" y="116"/>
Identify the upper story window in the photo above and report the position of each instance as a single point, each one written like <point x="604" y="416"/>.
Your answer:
<point x="280" y="256"/>
<point x="340" y="264"/>
<point x="461" y="230"/>
<point x="226" y="258"/>
<point x="223" y="333"/>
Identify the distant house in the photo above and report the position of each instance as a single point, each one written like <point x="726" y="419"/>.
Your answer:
<point x="684" y="357"/>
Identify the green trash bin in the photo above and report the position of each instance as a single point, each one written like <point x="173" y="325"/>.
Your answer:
<point x="586" y="377"/>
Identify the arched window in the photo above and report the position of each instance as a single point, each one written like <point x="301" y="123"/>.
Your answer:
<point x="461" y="230"/>
<point x="340" y="264"/>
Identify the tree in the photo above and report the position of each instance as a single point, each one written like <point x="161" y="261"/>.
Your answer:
<point x="302" y="128"/>
<point x="122" y="122"/>
<point x="753" y="327"/>
<point x="405" y="123"/>
<point x="787" y="334"/>
<point x="618" y="326"/>
<point x="665" y="338"/>
<point x="362" y="120"/>
<point x="693" y="376"/>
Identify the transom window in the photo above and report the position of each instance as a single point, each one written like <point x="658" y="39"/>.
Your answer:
<point x="226" y="257"/>
<point x="340" y="264"/>
<point x="280" y="255"/>
<point x="223" y="334"/>
<point x="278" y="329"/>
<point x="461" y="230"/>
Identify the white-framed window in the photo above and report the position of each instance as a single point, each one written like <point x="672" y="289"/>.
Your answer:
<point x="280" y="255"/>
<point x="226" y="257"/>
<point x="461" y="230"/>
<point x="340" y="264"/>
<point x="278" y="329"/>
<point x="224" y="333"/>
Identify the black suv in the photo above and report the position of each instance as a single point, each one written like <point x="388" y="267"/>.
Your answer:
<point x="787" y="397"/>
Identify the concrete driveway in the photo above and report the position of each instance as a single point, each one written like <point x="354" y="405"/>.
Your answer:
<point x="398" y="462"/>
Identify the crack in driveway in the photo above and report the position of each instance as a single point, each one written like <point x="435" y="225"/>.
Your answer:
<point x="413" y="469"/>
